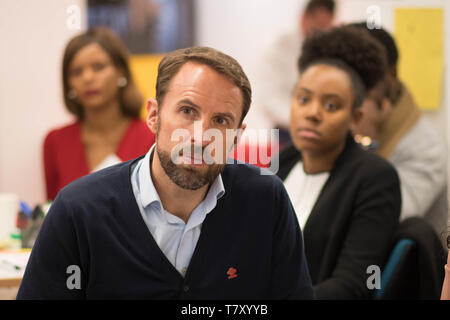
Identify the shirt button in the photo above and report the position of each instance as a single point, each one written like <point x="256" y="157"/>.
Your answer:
<point x="186" y="288"/>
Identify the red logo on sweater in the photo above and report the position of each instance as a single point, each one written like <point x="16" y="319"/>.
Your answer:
<point x="232" y="273"/>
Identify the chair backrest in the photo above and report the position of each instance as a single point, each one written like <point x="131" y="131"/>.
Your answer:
<point x="415" y="268"/>
<point x="400" y="260"/>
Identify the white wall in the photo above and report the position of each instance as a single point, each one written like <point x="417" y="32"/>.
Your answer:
<point x="33" y="34"/>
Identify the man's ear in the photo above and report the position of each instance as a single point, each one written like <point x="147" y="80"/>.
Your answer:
<point x="357" y="116"/>
<point x="386" y="108"/>
<point x="152" y="115"/>
<point x="238" y="137"/>
<point x="392" y="70"/>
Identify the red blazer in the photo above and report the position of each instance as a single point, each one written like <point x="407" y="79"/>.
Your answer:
<point x="65" y="160"/>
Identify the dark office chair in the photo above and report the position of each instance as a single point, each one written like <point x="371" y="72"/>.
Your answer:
<point x="415" y="268"/>
<point x="400" y="268"/>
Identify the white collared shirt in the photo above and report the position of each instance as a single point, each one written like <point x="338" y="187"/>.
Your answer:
<point x="175" y="238"/>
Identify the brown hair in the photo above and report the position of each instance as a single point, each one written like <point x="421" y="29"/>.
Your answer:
<point x="220" y="62"/>
<point x="315" y="4"/>
<point x="130" y="98"/>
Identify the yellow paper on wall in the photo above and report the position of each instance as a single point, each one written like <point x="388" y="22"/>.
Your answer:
<point x="419" y="36"/>
<point x="145" y="69"/>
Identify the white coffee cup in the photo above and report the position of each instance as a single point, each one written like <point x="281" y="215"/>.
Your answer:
<point x="9" y="208"/>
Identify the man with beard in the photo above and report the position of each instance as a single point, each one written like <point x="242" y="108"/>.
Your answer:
<point x="172" y="224"/>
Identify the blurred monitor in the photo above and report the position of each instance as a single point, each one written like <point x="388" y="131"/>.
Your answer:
<point x="146" y="26"/>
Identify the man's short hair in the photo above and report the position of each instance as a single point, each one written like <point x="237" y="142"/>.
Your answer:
<point x="220" y="62"/>
<point x="315" y="4"/>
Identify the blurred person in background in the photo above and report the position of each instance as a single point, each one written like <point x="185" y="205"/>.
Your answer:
<point x="400" y="133"/>
<point x="99" y="90"/>
<point x="278" y="73"/>
<point x="347" y="200"/>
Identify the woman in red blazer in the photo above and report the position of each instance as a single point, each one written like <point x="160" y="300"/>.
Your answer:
<point x="100" y="92"/>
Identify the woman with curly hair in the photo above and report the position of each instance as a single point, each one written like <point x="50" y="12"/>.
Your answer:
<point x="347" y="200"/>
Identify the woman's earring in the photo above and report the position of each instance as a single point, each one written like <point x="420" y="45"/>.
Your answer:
<point x="72" y="94"/>
<point x="122" y="82"/>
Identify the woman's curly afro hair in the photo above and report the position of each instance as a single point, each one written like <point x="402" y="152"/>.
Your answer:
<point x="352" y="46"/>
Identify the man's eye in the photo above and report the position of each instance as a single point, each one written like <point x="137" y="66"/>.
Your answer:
<point x="222" y="121"/>
<point x="186" y="110"/>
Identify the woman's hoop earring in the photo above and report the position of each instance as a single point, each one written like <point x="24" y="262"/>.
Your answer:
<point x="122" y="82"/>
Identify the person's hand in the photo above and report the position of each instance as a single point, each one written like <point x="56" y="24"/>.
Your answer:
<point x="447" y="266"/>
<point x="445" y="295"/>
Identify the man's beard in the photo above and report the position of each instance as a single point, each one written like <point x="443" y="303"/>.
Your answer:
<point x="188" y="177"/>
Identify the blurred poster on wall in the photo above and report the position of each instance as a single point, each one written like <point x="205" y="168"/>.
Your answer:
<point x="419" y="33"/>
<point x="146" y="26"/>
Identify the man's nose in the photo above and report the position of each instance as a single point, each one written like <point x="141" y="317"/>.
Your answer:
<point x="199" y="138"/>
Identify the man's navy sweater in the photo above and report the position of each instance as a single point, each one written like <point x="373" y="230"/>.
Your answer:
<point x="250" y="245"/>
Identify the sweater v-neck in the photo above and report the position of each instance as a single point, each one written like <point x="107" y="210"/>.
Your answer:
<point x="135" y="219"/>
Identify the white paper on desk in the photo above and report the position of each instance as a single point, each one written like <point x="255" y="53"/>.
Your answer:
<point x="11" y="259"/>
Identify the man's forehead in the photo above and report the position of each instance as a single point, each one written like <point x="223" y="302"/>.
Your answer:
<point x="197" y="80"/>
<point x="193" y="72"/>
